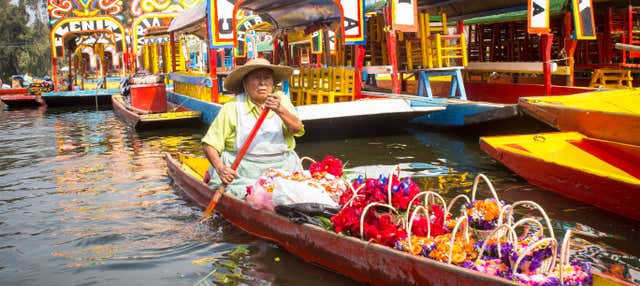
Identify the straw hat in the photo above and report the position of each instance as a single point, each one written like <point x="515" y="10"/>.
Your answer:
<point x="233" y="82"/>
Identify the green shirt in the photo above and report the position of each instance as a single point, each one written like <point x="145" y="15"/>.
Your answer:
<point x="222" y="132"/>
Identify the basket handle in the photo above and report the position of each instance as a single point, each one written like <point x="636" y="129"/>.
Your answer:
<point x="511" y="237"/>
<point x="364" y="213"/>
<point x="413" y="217"/>
<point x="486" y="180"/>
<point x="530" y="248"/>
<point x="305" y="158"/>
<point x="460" y="221"/>
<point x="527" y="220"/>
<point x="509" y="210"/>
<point x="564" y="250"/>
<point x="355" y="193"/>
<point x="455" y="199"/>
<point x="427" y="195"/>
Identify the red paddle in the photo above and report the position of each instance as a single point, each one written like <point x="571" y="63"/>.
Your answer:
<point x="236" y="162"/>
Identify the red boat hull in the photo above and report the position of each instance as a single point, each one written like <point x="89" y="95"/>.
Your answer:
<point x="601" y="191"/>
<point x="19" y="98"/>
<point x="354" y="258"/>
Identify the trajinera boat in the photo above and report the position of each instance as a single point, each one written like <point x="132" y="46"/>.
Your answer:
<point x="612" y="115"/>
<point x="357" y="259"/>
<point x="598" y="172"/>
<point x="174" y="115"/>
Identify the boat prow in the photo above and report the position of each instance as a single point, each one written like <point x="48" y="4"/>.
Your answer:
<point x="598" y="172"/>
<point x="141" y="119"/>
<point x="612" y="115"/>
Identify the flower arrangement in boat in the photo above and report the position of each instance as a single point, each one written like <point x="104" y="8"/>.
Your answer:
<point x="413" y="223"/>
<point x="324" y="175"/>
<point x="329" y="164"/>
<point x="455" y="251"/>
<point x="494" y="266"/>
<point x="537" y="253"/>
<point x="483" y="214"/>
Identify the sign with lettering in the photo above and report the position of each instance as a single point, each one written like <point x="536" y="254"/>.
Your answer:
<point x="538" y="17"/>
<point x="354" y="31"/>
<point x="316" y="42"/>
<point x="583" y="20"/>
<point x="404" y="15"/>
<point x="85" y="25"/>
<point x="144" y="22"/>
<point x="242" y="29"/>
<point x="220" y="17"/>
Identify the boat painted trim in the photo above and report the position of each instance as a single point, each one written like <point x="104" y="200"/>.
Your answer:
<point x="623" y="126"/>
<point x="457" y="113"/>
<point x="349" y="256"/>
<point x="79" y="97"/>
<point x="611" y="186"/>
<point x="148" y="120"/>
<point x="209" y="110"/>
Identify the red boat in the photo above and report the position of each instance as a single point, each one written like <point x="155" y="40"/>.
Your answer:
<point x="349" y="256"/>
<point x="19" y="97"/>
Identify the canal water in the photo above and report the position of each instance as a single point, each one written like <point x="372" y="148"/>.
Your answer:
<point x="85" y="200"/>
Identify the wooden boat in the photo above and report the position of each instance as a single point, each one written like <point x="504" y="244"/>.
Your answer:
<point x="143" y="119"/>
<point x="79" y="97"/>
<point x="601" y="173"/>
<point x="349" y="256"/>
<point x="19" y="97"/>
<point x="612" y="115"/>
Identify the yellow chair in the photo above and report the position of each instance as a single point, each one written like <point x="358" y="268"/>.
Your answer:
<point x="294" y="88"/>
<point x="323" y="87"/>
<point x="313" y="85"/>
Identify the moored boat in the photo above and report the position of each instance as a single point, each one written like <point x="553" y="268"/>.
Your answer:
<point x="19" y="97"/>
<point x="139" y="119"/>
<point x="609" y="115"/>
<point x="601" y="173"/>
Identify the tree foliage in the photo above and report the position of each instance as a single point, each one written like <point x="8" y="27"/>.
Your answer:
<point x="24" y="47"/>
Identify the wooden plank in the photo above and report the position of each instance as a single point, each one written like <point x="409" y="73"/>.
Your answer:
<point x="509" y="67"/>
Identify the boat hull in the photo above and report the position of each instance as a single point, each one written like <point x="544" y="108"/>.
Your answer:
<point x="606" y="191"/>
<point x="156" y="120"/>
<point x="79" y="98"/>
<point x="609" y="125"/>
<point x="354" y="258"/>
<point x="21" y="100"/>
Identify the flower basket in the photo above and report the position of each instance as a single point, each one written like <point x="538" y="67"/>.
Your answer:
<point x="483" y="214"/>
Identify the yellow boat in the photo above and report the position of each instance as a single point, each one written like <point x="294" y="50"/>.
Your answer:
<point x="602" y="173"/>
<point x="610" y="115"/>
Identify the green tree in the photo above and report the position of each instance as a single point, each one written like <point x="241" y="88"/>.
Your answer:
<point x="14" y="37"/>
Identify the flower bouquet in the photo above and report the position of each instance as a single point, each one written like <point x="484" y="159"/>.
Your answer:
<point x="483" y="214"/>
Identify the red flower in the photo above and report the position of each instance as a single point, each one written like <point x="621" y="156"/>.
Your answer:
<point x="329" y="164"/>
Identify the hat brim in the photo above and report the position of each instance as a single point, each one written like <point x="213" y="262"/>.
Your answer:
<point x="233" y="82"/>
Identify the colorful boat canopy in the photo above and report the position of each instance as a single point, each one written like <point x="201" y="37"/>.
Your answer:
<point x="189" y="17"/>
<point x="288" y="15"/>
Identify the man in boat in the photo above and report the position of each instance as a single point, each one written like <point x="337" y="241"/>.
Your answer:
<point x="272" y="147"/>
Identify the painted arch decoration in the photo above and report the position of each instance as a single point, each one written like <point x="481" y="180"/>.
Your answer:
<point x="141" y="7"/>
<point x="62" y="9"/>
<point x="154" y="13"/>
<point x="144" y="22"/>
<point x="86" y="25"/>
